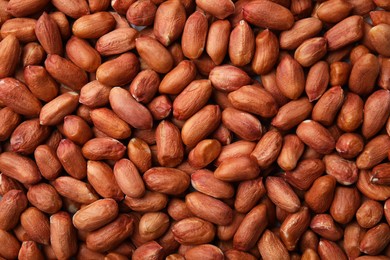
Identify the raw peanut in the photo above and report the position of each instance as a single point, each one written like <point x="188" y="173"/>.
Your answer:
<point x="241" y="44"/>
<point x="111" y="235"/>
<point x="232" y="254"/>
<point x="36" y="225"/>
<point x="379" y="36"/>
<point x="22" y="28"/>
<point x="13" y="203"/>
<point x="376" y="111"/>
<point x="358" y="52"/>
<point x="325" y="186"/>
<point x="45" y="198"/>
<point x="237" y="169"/>
<point x="10" y="245"/>
<point x="220" y="9"/>
<point x="235" y="150"/>
<point x="160" y="107"/>
<point x="217" y="211"/>
<point x="32" y="54"/>
<point x="330" y="250"/>
<point x="343" y="170"/>
<point x="310" y="254"/>
<point x="73" y="8"/>
<point x="345" y="204"/>
<point x="178" y="78"/>
<point x="227" y="232"/>
<point x="339" y="73"/>
<point x="141" y="13"/>
<point x="228" y="78"/>
<point x="218" y="40"/>
<point x="54" y="112"/>
<point x="166" y="180"/>
<point x="309" y="240"/>
<point x="255" y="100"/>
<point x="375" y="240"/>
<point x="345" y="32"/>
<point x="281" y="194"/>
<point x="380" y="174"/>
<point x="150" y="250"/>
<point x="292" y="114"/>
<point x="47" y="162"/>
<point x="194" y="35"/>
<point x="65" y="72"/>
<point x="27" y="136"/>
<point x="349" y="145"/>
<point x="40" y="83"/>
<point x="7" y="184"/>
<point x="370" y="190"/>
<point x="19" y="167"/>
<point x="176" y="52"/>
<point x="94" y="94"/>
<point x="48" y="34"/>
<point x="82" y="54"/>
<point x="243" y="124"/>
<point x="290" y="77"/>
<point x="333" y="11"/>
<point x="205" y="182"/>
<point x="10" y="51"/>
<point x="147" y="47"/>
<point x="169" y="22"/>
<point x="259" y="14"/>
<point x="204" y="153"/>
<point x="290" y="153"/>
<point x="223" y="135"/>
<point x="74" y="189"/>
<point x="325" y="110"/>
<point x="379" y="17"/>
<point x="153" y="225"/>
<point x="192" y="99"/>
<point x="316" y="136"/>
<point x="351" y="113"/>
<point x="193" y="231"/>
<point x="71" y="158"/>
<point x="92" y="26"/>
<point x="121" y="6"/>
<point x="200" y="125"/>
<point x="129" y="110"/>
<point x="117" y="41"/>
<point x="301" y="30"/>
<point x="248" y="194"/>
<point x="63" y="238"/>
<point x="293" y="227"/>
<point x="102" y="179"/>
<point x="150" y="202"/>
<point x="144" y="86"/>
<point x="170" y="150"/>
<point x="251" y="228"/>
<point x="95" y="215"/>
<point x="129" y="179"/>
<point x="271" y="247"/>
<point x="267" y="52"/>
<point x="310" y="51"/>
<point x="139" y="153"/>
<point x="353" y="234"/>
<point x="118" y="71"/>
<point x="24" y="103"/>
<point x="109" y="123"/>
<point x="76" y="129"/>
<point x="324" y="225"/>
<point x="205" y="251"/>
<point x="369" y="214"/>
<point x="178" y="210"/>
<point x="317" y="80"/>
<point x="103" y="148"/>
<point x="363" y="74"/>
<point x="62" y="23"/>
<point x="30" y="250"/>
<point x="267" y="149"/>
<point x="374" y="152"/>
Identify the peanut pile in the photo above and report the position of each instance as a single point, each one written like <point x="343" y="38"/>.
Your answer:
<point x="195" y="129"/>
